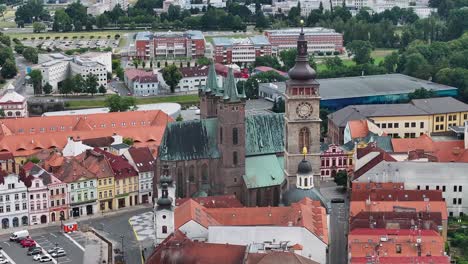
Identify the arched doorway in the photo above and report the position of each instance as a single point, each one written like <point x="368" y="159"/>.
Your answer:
<point x="15" y="222"/>
<point x="5" y="223"/>
<point x="24" y="220"/>
<point x="52" y="216"/>
<point x="43" y="219"/>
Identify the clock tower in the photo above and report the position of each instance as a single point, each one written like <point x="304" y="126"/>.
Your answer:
<point x="302" y="119"/>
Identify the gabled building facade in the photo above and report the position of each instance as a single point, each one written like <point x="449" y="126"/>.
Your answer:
<point x="37" y="180"/>
<point x="143" y="161"/>
<point x="14" y="201"/>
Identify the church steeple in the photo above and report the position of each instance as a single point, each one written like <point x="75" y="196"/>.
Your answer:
<point x="211" y="82"/>
<point x="230" y="89"/>
<point x="209" y="95"/>
<point x="302" y="70"/>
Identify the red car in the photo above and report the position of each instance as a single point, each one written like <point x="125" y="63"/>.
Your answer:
<point x="28" y="243"/>
<point x="24" y="239"/>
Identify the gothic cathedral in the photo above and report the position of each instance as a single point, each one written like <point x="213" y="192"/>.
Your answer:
<point x="302" y="119"/>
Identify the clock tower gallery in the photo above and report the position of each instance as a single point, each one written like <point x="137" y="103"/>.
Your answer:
<point x="302" y="120"/>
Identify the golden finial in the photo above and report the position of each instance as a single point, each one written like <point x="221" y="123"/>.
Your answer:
<point x="304" y="151"/>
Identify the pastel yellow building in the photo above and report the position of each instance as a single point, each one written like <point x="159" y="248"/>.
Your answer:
<point x="96" y="162"/>
<point x="420" y="116"/>
<point x="126" y="190"/>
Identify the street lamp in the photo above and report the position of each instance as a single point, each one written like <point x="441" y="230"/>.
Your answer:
<point x="56" y="252"/>
<point x="122" y="244"/>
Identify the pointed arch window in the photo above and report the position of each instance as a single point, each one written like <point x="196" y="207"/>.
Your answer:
<point x="192" y="174"/>
<point x="235" y="136"/>
<point x="204" y="174"/>
<point x="304" y="138"/>
<point x="234" y="158"/>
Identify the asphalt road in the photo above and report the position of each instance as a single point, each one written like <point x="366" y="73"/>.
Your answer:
<point x="46" y="238"/>
<point x="338" y="233"/>
<point x="115" y="226"/>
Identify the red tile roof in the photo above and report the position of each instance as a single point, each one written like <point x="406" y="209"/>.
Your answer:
<point x="99" y="142"/>
<point x="142" y="158"/>
<point x="120" y="166"/>
<point x="6" y="156"/>
<point x="396" y="195"/>
<point x="96" y="163"/>
<point x="277" y="257"/>
<point x="403" y="260"/>
<point x="178" y="249"/>
<point x="72" y="170"/>
<point x="403" y="145"/>
<point x="359" y="128"/>
<point x="397" y="220"/>
<point x="132" y="74"/>
<point x="27" y="138"/>
<point x="197" y="71"/>
<point x="221" y="201"/>
<point x="306" y="213"/>
<point x="364" y="242"/>
<point x="361" y="152"/>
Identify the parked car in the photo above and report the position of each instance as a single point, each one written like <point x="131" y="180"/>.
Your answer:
<point x="25" y="240"/>
<point x="59" y="253"/>
<point x="29" y="243"/>
<point x="54" y="249"/>
<point x="35" y="251"/>
<point x="19" y="235"/>
<point x="4" y="261"/>
<point x="45" y="259"/>
<point x="37" y="257"/>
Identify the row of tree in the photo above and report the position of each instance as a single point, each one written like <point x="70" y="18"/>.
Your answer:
<point x="7" y="59"/>
<point x="78" y="84"/>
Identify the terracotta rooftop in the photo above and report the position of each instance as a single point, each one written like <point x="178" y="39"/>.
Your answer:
<point x="120" y="166"/>
<point x="6" y="156"/>
<point x="397" y="220"/>
<point x="221" y="201"/>
<point x="26" y="136"/>
<point x="306" y="213"/>
<point x="136" y="73"/>
<point x="397" y="195"/>
<point x="178" y="249"/>
<point x="398" y="206"/>
<point x="361" y="152"/>
<point x="436" y="151"/>
<point x="364" y="242"/>
<point x="359" y="128"/>
<point x="277" y="257"/>
<point x="142" y="158"/>
<point x="96" y="163"/>
<point x="403" y="260"/>
<point x="72" y="170"/>
<point x="197" y="71"/>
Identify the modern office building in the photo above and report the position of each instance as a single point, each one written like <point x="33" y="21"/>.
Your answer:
<point x="318" y="39"/>
<point x="168" y="45"/>
<point x="241" y="50"/>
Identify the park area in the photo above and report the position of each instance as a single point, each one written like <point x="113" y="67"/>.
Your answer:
<point x="458" y="239"/>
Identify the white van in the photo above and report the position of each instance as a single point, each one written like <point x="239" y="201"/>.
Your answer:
<point x="18" y="235"/>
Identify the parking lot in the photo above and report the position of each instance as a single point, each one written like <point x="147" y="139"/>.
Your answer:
<point x="72" y="244"/>
<point x="72" y="43"/>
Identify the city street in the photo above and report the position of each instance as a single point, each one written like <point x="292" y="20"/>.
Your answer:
<point x="116" y="227"/>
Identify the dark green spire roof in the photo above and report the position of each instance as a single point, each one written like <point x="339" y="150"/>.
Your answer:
<point x="211" y="83"/>
<point x="230" y="88"/>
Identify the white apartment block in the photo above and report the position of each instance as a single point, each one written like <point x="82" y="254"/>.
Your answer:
<point x="57" y="67"/>
<point x="13" y="202"/>
<point x="106" y="5"/>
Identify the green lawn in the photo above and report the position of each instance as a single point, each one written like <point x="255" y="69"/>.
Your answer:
<point x="8" y="20"/>
<point x="210" y="39"/>
<point x="182" y="99"/>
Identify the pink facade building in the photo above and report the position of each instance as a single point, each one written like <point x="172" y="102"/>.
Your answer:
<point x="13" y="104"/>
<point x="334" y="159"/>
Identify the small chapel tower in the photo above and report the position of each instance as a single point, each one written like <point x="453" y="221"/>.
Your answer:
<point x="164" y="212"/>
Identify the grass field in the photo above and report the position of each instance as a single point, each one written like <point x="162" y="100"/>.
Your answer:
<point x="210" y="39"/>
<point x="182" y="99"/>
<point x="8" y="20"/>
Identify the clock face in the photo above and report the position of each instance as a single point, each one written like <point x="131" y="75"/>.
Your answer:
<point x="304" y="110"/>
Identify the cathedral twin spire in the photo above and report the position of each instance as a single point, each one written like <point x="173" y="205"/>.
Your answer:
<point x="228" y="91"/>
